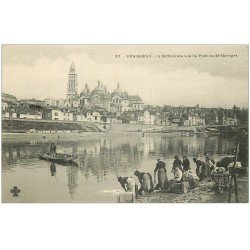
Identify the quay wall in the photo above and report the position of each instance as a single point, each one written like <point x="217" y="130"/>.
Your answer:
<point x="25" y="125"/>
<point x="134" y="127"/>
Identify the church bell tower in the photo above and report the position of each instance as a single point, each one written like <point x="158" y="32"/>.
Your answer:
<point x="72" y="86"/>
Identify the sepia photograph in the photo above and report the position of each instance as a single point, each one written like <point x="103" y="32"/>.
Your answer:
<point x="125" y="123"/>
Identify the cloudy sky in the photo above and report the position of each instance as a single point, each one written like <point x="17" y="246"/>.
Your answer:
<point x="40" y="71"/>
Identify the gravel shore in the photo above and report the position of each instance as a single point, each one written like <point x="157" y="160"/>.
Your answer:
<point x="203" y="194"/>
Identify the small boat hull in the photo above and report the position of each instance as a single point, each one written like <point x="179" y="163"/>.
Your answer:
<point x="59" y="159"/>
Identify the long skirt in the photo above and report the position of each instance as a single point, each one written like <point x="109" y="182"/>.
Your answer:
<point x="162" y="178"/>
<point x="146" y="183"/>
<point x="208" y="170"/>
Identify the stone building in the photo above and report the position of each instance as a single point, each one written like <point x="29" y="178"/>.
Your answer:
<point x="72" y="85"/>
<point x="99" y="97"/>
<point x="118" y="101"/>
<point x="195" y="119"/>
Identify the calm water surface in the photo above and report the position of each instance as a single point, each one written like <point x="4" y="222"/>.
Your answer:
<point x="106" y="158"/>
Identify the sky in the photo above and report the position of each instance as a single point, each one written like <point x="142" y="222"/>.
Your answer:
<point x="209" y="75"/>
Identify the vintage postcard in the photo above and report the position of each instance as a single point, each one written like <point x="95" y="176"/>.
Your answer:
<point x="124" y="123"/>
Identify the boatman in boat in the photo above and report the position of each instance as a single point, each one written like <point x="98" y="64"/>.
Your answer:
<point x="160" y="169"/>
<point x="53" y="149"/>
<point x="146" y="181"/>
<point x="127" y="183"/>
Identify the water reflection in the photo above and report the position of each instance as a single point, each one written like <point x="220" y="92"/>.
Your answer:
<point x="115" y="152"/>
<point x="105" y="159"/>
<point x="72" y="174"/>
<point x="53" y="169"/>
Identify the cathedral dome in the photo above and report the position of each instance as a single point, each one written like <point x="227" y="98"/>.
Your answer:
<point x="85" y="91"/>
<point x="100" y="89"/>
<point x="118" y="90"/>
<point x="106" y="96"/>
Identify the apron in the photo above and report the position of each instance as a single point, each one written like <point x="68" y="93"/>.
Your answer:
<point x="162" y="178"/>
<point x="145" y="183"/>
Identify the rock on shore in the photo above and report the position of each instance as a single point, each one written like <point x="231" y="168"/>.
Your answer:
<point x="205" y="193"/>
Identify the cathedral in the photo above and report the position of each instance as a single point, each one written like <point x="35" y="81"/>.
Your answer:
<point x="118" y="101"/>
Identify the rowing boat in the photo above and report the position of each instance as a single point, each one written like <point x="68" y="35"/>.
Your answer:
<point x="63" y="159"/>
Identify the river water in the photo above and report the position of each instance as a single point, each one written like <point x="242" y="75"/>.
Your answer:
<point x="106" y="158"/>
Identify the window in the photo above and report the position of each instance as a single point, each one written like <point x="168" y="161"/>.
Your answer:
<point x="56" y="114"/>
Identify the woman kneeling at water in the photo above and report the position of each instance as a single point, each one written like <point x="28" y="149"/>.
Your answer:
<point x="127" y="183"/>
<point x="177" y="174"/>
<point x="146" y="182"/>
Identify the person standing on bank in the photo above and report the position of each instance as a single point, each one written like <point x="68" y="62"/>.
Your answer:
<point x="177" y="162"/>
<point x="162" y="174"/>
<point x="200" y="169"/>
<point x="209" y="163"/>
<point x="185" y="163"/>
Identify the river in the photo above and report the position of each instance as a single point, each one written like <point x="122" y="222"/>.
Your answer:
<point x="106" y="158"/>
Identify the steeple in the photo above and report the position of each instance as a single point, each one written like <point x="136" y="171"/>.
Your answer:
<point x="87" y="88"/>
<point x="72" y="68"/>
<point x="72" y="85"/>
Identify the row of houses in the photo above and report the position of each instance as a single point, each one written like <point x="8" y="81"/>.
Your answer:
<point x="22" y="114"/>
<point x="177" y="116"/>
<point x="223" y="117"/>
<point x="60" y="115"/>
<point x="140" y="117"/>
<point x="83" y="116"/>
<point x="145" y="117"/>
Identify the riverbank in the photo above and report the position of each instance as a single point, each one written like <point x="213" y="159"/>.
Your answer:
<point x="202" y="194"/>
<point x="17" y="125"/>
<point x="73" y="136"/>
